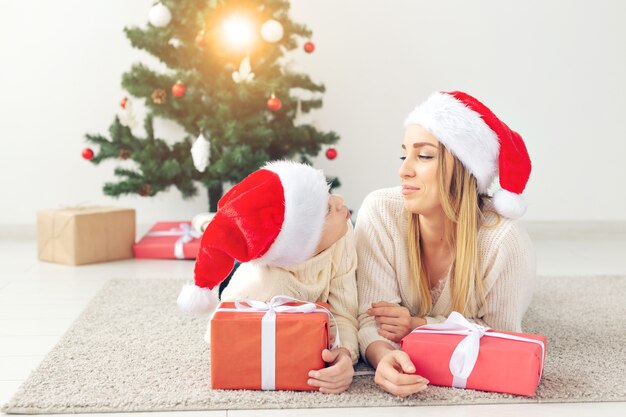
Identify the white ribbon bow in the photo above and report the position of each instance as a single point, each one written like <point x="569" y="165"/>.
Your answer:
<point x="466" y="353"/>
<point x="186" y="233"/>
<point x="268" y="328"/>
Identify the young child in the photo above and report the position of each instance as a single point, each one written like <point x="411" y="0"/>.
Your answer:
<point x="294" y="239"/>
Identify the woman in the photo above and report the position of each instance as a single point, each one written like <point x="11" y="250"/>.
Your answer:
<point x="438" y="244"/>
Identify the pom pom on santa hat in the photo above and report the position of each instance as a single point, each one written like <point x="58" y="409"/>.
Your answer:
<point x="484" y="144"/>
<point x="275" y="216"/>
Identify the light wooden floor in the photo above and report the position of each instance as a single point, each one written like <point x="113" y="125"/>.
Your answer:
<point x="39" y="301"/>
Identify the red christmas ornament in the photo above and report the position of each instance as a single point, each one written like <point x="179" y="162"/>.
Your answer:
<point x="309" y="47"/>
<point x="178" y="89"/>
<point x="331" y="153"/>
<point x="87" y="154"/>
<point x="200" y="39"/>
<point x="274" y="104"/>
<point x="123" y="102"/>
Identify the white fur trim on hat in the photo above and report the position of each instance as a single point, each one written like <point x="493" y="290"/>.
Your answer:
<point x="306" y="205"/>
<point x="463" y="132"/>
<point x="196" y="300"/>
<point x="509" y="204"/>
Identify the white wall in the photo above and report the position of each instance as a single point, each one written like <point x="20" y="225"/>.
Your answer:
<point x="553" y="70"/>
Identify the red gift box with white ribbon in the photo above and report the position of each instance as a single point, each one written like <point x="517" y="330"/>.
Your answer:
<point x="461" y="354"/>
<point x="268" y="346"/>
<point x="169" y="240"/>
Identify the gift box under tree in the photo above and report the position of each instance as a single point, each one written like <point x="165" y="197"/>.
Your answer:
<point x="83" y="235"/>
<point x="461" y="354"/>
<point x="169" y="240"/>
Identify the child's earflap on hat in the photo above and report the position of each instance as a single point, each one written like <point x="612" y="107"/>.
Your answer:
<point x="274" y="216"/>
<point x="483" y="143"/>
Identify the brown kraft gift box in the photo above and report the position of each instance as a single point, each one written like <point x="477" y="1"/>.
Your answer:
<point x="76" y="236"/>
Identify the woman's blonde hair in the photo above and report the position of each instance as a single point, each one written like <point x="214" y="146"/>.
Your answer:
<point x="462" y="206"/>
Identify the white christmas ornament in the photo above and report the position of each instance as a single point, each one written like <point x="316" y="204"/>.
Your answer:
<point x="272" y="31"/>
<point x="127" y="118"/>
<point x="175" y="42"/>
<point x="201" y="152"/>
<point x="159" y="15"/>
<point x="245" y="73"/>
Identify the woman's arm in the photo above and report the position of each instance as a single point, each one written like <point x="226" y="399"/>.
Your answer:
<point x="376" y="277"/>
<point x="394" y="370"/>
<point x="375" y="352"/>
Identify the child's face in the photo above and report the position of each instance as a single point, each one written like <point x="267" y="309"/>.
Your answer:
<point x="336" y="224"/>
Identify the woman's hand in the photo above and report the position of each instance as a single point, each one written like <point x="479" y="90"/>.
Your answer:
<point x="394" y="321"/>
<point x="338" y="376"/>
<point x="394" y="374"/>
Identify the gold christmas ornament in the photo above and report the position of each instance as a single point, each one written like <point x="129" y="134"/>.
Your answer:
<point x="124" y="154"/>
<point x="159" y="96"/>
<point x="145" y="190"/>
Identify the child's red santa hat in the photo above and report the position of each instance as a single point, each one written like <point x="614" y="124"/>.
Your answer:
<point x="275" y="216"/>
<point x="482" y="142"/>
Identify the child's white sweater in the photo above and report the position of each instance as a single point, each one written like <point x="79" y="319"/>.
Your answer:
<point x="328" y="277"/>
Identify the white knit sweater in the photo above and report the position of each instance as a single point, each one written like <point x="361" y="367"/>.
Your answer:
<point x="328" y="277"/>
<point x="505" y="252"/>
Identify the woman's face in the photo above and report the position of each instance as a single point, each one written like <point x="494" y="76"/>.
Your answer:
<point x="420" y="180"/>
<point x="336" y="224"/>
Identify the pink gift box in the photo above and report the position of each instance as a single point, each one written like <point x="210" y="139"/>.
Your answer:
<point x="169" y="240"/>
<point x="506" y="361"/>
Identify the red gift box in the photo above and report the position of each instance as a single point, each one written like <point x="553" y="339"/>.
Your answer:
<point x="169" y="240"/>
<point x="460" y="354"/>
<point x="255" y="346"/>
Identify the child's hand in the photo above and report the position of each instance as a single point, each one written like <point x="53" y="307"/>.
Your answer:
<point x="338" y="376"/>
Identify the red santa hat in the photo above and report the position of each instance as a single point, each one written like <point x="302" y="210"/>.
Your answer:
<point x="483" y="143"/>
<point x="275" y="216"/>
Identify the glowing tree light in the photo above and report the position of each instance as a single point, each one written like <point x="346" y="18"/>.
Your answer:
<point x="238" y="32"/>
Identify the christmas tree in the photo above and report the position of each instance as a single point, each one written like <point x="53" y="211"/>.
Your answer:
<point x="227" y="85"/>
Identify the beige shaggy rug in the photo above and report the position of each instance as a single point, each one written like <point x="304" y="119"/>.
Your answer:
<point x="131" y="350"/>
